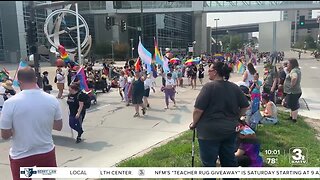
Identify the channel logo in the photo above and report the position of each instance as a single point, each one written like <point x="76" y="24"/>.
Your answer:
<point x="298" y="155"/>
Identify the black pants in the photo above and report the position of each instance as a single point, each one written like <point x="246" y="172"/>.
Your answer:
<point x="243" y="161"/>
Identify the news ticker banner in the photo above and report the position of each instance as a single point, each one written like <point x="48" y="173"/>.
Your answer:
<point x="170" y="172"/>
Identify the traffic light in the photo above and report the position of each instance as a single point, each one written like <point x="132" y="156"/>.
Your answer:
<point x="32" y="32"/>
<point x="109" y="22"/>
<point x="302" y="20"/>
<point x="123" y="26"/>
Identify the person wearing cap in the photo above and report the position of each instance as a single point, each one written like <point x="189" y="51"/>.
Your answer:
<point x="46" y="86"/>
<point x="9" y="91"/>
<point x="248" y="151"/>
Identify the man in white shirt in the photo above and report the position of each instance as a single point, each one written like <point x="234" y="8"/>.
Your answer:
<point x="30" y="126"/>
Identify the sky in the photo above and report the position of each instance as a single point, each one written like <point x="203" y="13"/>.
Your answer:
<point x="236" y="18"/>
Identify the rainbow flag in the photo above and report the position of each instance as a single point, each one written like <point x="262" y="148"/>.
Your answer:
<point x="144" y="54"/>
<point x="157" y="55"/>
<point x="240" y="67"/>
<point x="22" y="64"/>
<point x="83" y="79"/>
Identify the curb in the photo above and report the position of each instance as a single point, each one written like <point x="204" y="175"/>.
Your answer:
<point x="144" y="151"/>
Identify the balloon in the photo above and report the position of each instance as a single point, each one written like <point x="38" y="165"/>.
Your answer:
<point x="59" y="62"/>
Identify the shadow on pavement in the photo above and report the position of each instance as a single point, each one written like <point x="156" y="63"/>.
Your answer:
<point x="176" y="118"/>
<point x="153" y="118"/>
<point x="156" y="110"/>
<point x="183" y="108"/>
<point x="70" y="142"/>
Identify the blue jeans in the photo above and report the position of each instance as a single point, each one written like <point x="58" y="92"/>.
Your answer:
<point x="225" y="149"/>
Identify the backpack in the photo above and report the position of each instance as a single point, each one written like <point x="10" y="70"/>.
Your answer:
<point x="87" y="100"/>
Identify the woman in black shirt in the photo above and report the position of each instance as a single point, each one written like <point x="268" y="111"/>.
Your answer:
<point x="46" y="86"/>
<point x="77" y="110"/>
<point x="194" y="76"/>
<point x="137" y="93"/>
<point x="217" y="110"/>
<point x="201" y="73"/>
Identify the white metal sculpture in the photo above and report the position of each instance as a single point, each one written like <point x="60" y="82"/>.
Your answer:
<point x="53" y="33"/>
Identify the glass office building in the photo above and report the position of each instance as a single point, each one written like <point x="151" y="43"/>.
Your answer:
<point x="176" y="32"/>
<point x="1" y="43"/>
<point x="40" y="17"/>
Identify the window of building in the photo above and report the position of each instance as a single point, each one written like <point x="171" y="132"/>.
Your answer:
<point x="308" y="31"/>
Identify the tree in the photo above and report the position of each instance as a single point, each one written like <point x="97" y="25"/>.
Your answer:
<point x="226" y="42"/>
<point x="310" y="44"/>
<point x="235" y="43"/>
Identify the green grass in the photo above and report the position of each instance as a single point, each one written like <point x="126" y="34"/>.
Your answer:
<point x="283" y="136"/>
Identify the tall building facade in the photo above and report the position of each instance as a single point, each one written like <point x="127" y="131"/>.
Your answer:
<point x="14" y="16"/>
<point x="173" y="31"/>
<point x="300" y="33"/>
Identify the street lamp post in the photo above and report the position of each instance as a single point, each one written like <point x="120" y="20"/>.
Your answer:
<point x="141" y="18"/>
<point x="131" y="48"/>
<point x="193" y="46"/>
<point x="217" y="33"/>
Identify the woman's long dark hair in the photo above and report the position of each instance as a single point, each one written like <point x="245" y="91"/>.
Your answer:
<point x="222" y="69"/>
<point x="251" y="68"/>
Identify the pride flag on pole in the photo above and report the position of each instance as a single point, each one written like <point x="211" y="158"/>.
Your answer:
<point x="240" y="67"/>
<point x="137" y="65"/>
<point x="83" y="79"/>
<point x="165" y="67"/>
<point x="145" y="55"/>
<point x="22" y="64"/>
<point x="157" y="55"/>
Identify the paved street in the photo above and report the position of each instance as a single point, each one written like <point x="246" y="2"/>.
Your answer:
<point x="112" y="134"/>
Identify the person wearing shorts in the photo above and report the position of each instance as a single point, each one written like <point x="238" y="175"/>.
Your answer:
<point x="292" y="88"/>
